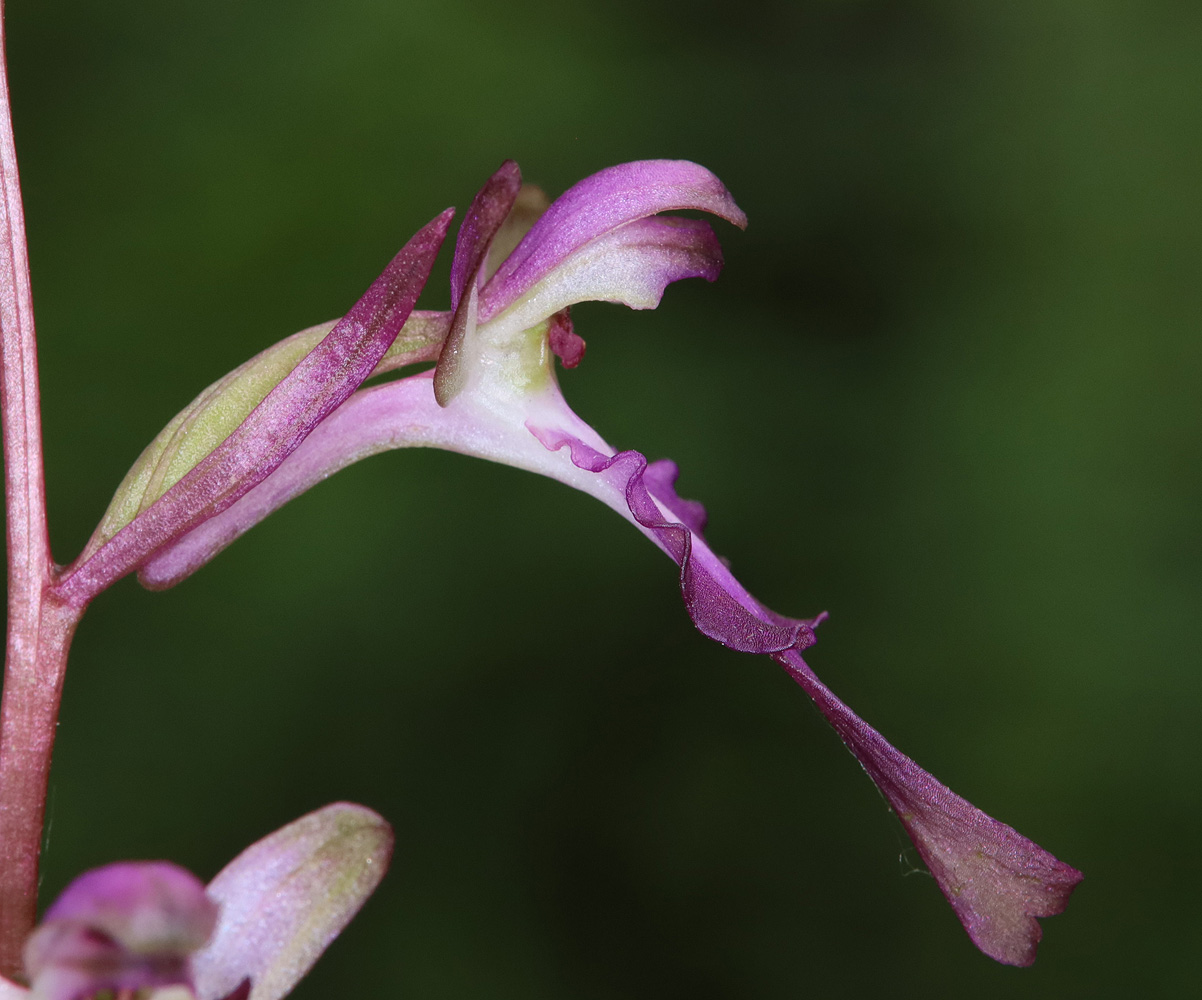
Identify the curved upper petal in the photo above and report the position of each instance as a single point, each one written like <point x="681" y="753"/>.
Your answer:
<point x="598" y="205"/>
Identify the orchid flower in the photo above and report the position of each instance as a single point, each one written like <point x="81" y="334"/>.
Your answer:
<point x="519" y="266"/>
<point x="151" y="929"/>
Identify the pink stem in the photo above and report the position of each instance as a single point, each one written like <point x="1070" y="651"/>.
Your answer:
<point x="39" y="630"/>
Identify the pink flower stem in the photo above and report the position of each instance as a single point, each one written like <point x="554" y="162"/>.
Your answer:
<point x="39" y="628"/>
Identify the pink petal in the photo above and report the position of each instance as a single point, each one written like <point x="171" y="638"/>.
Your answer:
<point x="631" y="265"/>
<point x="286" y="897"/>
<point x="996" y="880"/>
<point x="596" y="206"/>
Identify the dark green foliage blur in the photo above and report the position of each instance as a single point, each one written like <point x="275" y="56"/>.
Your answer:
<point x="947" y="389"/>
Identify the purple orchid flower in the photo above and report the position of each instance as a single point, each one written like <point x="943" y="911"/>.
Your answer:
<point x="517" y="270"/>
<point x="152" y="929"/>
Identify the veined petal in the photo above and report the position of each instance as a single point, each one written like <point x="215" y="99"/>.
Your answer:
<point x="321" y="381"/>
<point x="996" y="880"/>
<point x="719" y="605"/>
<point x="631" y="265"/>
<point x="285" y="898"/>
<point x="598" y="205"/>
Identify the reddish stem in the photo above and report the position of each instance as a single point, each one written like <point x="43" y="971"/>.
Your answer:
<point x="33" y="684"/>
<point x="39" y="630"/>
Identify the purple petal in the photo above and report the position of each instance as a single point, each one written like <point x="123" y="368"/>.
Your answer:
<point x="285" y="898"/>
<point x="660" y="479"/>
<point x="484" y="217"/>
<point x="11" y="991"/>
<point x="631" y="265"/>
<point x="307" y="395"/>
<point x="489" y="209"/>
<point x="996" y="879"/>
<point x="128" y="926"/>
<point x="719" y="605"/>
<point x="596" y="206"/>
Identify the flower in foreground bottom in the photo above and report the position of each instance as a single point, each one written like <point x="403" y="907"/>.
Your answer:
<point x="494" y="395"/>
<point x="151" y="928"/>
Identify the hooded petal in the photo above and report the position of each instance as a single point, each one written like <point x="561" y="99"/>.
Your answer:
<point x="128" y="926"/>
<point x="285" y="898"/>
<point x="321" y="381"/>
<point x="631" y="265"/>
<point x="596" y="206"/>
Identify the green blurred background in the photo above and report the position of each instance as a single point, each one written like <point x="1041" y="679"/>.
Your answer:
<point x="946" y="389"/>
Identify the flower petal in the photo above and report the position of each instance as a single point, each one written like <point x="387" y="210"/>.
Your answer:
<point x="127" y="926"/>
<point x="719" y="605"/>
<point x="631" y="265"/>
<point x="596" y="206"/>
<point x="285" y="898"/>
<point x="996" y="880"/>
<point x="488" y="210"/>
<point x="321" y="381"/>
<point x="483" y="219"/>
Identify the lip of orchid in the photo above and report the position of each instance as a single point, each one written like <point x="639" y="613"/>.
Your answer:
<point x="322" y="380"/>
<point x="996" y="880"/>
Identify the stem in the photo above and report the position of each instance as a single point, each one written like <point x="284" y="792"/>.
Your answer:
<point x="39" y="630"/>
<point x="33" y="684"/>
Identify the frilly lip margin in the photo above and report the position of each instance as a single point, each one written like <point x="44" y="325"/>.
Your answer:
<point x="996" y="880"/>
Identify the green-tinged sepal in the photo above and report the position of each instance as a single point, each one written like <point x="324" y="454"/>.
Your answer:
<point x="218" y="411"/>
